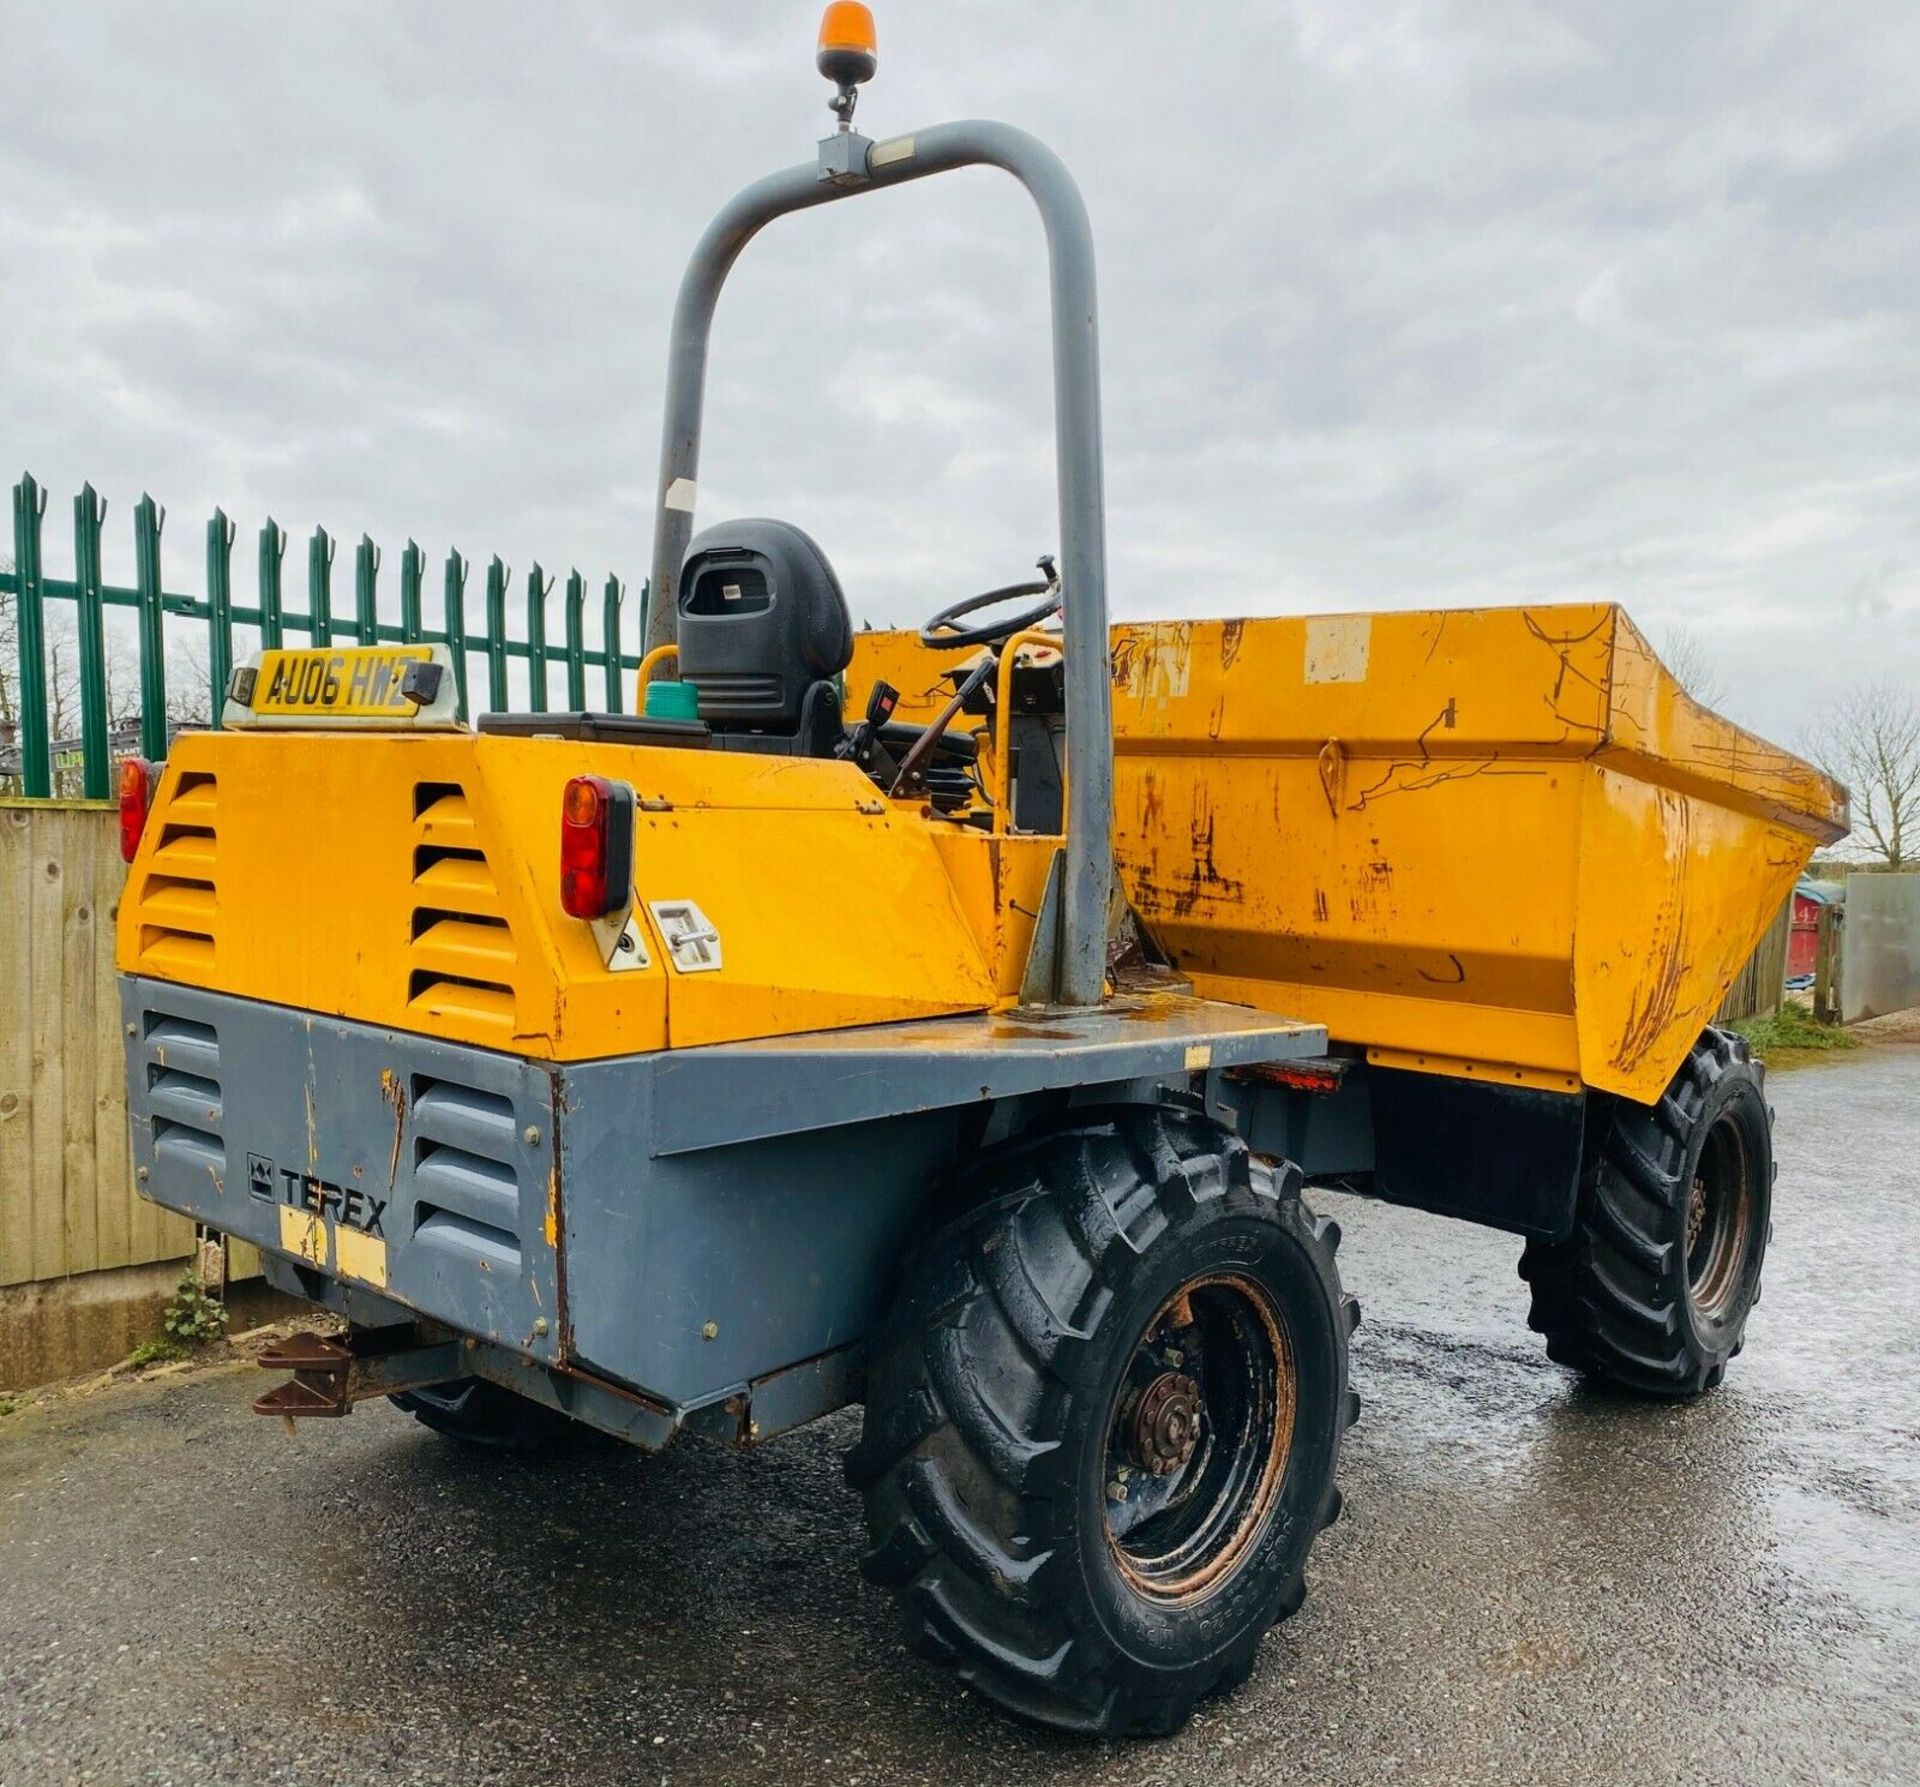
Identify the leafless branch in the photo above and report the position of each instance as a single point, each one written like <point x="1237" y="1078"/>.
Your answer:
<point x="1870" y="739"/>
<point x="1687" y="656"/>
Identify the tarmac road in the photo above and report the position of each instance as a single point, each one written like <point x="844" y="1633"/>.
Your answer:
<point x="1533" y="1583"/>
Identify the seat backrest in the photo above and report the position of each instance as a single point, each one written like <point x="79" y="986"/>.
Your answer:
<point x="761" y="625"/>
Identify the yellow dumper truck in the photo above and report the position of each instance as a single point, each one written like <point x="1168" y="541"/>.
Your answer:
<point x="948" y="1023"/>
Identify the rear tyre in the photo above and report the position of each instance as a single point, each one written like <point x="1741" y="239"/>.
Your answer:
<point x="1103" y="1421"/>
<point x="481" y="1414"/>
<point x="1652" y="1290"/>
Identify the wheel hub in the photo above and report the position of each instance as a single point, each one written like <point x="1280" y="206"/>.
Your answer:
<point x="1166" y="1424"/>
<point x="1719" y="1221"/>
<point x="1198" y="1437"/>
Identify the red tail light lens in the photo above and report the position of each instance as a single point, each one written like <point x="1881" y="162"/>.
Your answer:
<point x="596" y="847"/>
<point x="137" y="777"/>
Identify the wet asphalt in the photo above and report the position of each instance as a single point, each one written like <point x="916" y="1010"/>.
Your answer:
<point x="1534" y="1583"/>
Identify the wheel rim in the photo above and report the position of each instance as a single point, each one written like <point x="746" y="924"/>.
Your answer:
<point x="1719" y="1220"/>
<point x="1198" y="1437"/>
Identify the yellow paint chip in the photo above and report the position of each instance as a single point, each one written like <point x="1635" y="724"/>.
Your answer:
<point x="362" y="1256"/>
<point x="303" y="1235"/>
<point x="1338" y="646"/>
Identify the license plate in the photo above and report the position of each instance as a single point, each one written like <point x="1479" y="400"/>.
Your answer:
<point x="393" y="685"/>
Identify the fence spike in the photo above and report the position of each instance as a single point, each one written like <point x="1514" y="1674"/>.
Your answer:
<point x="320" y="550"/>
<point x="220" y="538"/>
<point x="538" y="584"/>
<point x="273" y="553"/>
<point x="148" y="519"/>
<point x="576" y="641"/>
<point x="89" y="515"/>
<point x="610" y="637"/>
<point x="497" y="635"/>
<point x="456" y="599"/>
<point x="412" y="569"/>
<point x="366" y="591"/>
<point x="36" y="754"/>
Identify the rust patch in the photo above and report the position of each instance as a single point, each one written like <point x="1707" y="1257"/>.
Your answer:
<point x="1373" y="893"/>
<point x="1152" y="802"/>
<point x="1204" y="879"/>
<point x="394" y="1091"/>
<point x="1233" y="635"/>
<point x="1656" y="998"/>
<point x="1562" y="646"/>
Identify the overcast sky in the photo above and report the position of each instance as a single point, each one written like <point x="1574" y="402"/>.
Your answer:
<point x="1403" y="304"/>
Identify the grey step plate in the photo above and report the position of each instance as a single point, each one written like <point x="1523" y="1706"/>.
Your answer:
<point x="734" y="1092"/>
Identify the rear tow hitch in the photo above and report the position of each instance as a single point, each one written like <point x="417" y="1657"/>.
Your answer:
<point x="330" y="1376"/>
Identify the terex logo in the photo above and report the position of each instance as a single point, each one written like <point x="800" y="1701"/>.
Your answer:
<point x="307" y="1191"/>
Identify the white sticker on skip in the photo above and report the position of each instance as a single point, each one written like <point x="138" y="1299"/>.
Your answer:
<point x="1337" y="647"/>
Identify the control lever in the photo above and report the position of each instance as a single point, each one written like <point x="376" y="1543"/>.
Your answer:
<point x="910" y="775"/>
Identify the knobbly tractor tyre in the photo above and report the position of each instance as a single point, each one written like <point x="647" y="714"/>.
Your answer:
<point x="486" y="1416"/>
<point x="1103" y="1421"/>
<point x="1651" y="1292"/>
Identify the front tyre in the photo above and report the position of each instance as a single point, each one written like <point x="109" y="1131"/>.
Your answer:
<point x="1103" y="1421"/>
<point x="1652" y="1290"/>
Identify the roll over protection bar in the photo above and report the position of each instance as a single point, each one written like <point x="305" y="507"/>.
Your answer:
<point x="849" y="163"/>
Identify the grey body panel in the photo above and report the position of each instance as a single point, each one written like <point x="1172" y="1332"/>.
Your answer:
<point x="686" y="1224"/>
<point x="691" y="1275"/>
<point x="449" y="1150"/>
<point x="733" y="1092"/>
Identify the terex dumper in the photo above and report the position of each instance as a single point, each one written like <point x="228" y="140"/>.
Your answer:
<point x="723" y="1063"/>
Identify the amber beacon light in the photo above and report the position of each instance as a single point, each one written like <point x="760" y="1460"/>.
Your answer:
<point x="847" y="55"/>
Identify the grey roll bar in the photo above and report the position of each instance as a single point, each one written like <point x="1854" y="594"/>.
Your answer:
<point x="850" y="163"/>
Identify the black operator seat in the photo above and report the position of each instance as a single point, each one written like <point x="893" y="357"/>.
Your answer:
<point x="763" y="631"/>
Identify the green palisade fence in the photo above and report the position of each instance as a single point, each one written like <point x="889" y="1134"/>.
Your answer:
<point x="153" y="603"/>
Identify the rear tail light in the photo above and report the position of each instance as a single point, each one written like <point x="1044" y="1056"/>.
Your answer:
<point x="596" y="847"/>
<point x="137" y="777"/>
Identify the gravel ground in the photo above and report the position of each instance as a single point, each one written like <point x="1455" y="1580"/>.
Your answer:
<point x="1533" y="1583"/>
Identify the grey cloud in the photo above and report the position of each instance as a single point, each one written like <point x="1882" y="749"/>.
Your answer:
<point x="1420" y="303"/>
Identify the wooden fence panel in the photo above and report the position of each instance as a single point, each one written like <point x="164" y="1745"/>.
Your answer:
<point x="1762" y="982"/>
<point x="67" y="1203"/>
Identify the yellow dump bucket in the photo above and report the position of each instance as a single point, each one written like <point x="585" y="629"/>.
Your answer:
<point x="1501" y="843"/>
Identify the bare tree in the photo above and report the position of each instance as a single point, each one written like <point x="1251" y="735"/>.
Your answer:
<point x="189" y="691"/>
<point x="1871" y="741"/>
<point x="1692" y="665"/>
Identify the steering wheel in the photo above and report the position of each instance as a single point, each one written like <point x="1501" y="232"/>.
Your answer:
<point x="944" y="632"/>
